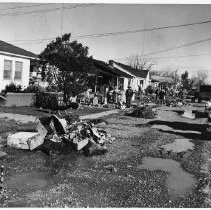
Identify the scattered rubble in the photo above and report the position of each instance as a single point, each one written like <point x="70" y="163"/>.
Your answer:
<point x="54" y="135"/>
<point x="111" y="168"/>
<point x="175" y="101"/>
<point x="188" y="114"/>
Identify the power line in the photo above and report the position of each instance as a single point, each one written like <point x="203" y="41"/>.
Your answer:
<point x="181" y="56"/>
<point x="46" y="10"/>
<point x="120" y="32"/>
<point x="180" y="46"/>
<point x="142" y="30"/>
<point x="20" y="7"/>
<point x="169" y="57"/>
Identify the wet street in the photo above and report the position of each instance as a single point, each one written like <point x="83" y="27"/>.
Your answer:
<point x="162" y="162"/>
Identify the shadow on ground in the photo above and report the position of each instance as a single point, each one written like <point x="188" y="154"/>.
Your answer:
<point x="198" y="114"/>
<point x="184" y="127"/>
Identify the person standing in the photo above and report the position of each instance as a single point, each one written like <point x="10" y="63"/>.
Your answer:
<point x="157" y="93"/>
<point x="129" y="95"/>
<point x="110" y="96"/>
<point x="162" y="96"/>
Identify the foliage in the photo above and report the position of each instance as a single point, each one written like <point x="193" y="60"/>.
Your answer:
<point x="12" y="88"/>
<point x="143" y="112"/>
<point x="41" y="100"/>
<point x="149" y="89"/>
<point x="186" y="83"/>
<point x="140" y="62"/>
<point x="169" y="72"/>
<point x="199" y="79"/>
<point x="33" y="89"/>
<point x="66" y="66"/>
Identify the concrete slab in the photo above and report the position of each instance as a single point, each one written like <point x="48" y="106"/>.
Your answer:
<point x="98" y="115"/>
<point x="18" y="117"/>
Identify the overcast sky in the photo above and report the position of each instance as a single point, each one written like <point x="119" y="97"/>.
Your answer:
<point x="104" y="18"/>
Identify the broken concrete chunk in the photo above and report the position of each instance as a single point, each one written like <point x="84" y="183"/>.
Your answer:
<point x="55" y="138"/>
<point x="28" y="140"/>
<point x="80" y="143"/>
<point x="188" y="114"/>
<point x="24" y="140"/>
<point x="59" y="124"/>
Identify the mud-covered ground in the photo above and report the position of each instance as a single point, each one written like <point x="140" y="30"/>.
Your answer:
<point x="115" y="179"/>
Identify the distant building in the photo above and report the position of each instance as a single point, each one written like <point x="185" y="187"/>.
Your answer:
<point x="121" y="75"/>
<point x="161" y="81"/>
<point x="15" y="65"/>
<point x="138" y="77"/>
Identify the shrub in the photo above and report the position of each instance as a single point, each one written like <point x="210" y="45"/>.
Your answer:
<point x="33" y="89"/>
<point x="41" y="100"/>
<point x="149" y="90"/>
<point x="12" y="88"/>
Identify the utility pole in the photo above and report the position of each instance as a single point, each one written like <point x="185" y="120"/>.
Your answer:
<point x="143" y="44"/>
<point x="61" y="24"/>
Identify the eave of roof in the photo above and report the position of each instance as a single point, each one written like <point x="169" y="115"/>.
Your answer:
<point x="9" y="48"/>
<point x="135" y="72"/>
<point x="113" y="71"/>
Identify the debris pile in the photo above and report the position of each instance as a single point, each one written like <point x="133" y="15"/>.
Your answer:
<point x="147" y="99"/>
<point x="175" y="102"/>
<point x="146" y="112"/>
<point x="54" y="135"/>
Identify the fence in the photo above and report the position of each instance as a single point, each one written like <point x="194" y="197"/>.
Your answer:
<point x="18" y="99"/>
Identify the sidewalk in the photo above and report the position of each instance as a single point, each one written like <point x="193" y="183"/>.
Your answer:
<point x="28" y="118"/>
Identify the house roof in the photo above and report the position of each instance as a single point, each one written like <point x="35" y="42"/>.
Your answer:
<point x="104" y="67"/>
<point x="135" y="72"/>
<point x="161" y="79"/>
<point x="9" y="48"/>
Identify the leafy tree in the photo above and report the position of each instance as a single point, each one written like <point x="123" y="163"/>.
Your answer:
<point x="66" y="66"/>
<point x="169" y="72"/>
<point x="187" y="84"/>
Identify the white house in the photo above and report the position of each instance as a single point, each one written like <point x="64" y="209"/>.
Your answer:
<point x="138" y="77"/>
<point x="15" y="65"/>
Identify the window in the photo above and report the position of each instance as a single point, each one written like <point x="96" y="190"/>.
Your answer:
<point x="18" y="70"/>
<point x="7" y="69"/>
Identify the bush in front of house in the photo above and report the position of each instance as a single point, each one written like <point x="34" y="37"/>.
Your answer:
<point x="12" y="88"/>
<point x="33" y="89"/>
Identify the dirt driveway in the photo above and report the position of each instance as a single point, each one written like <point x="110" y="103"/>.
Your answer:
<point x="136" y="172"/>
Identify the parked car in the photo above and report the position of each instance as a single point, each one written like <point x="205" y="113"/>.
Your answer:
<point x="204" y="93"/>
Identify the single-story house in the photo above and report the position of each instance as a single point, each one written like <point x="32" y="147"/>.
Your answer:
<point x="109" y="74"/>
<point x="137" y="77"/>
<point x="160" y="81"/>
<point x="15" y="65"/>
<point x="121" y="75"/>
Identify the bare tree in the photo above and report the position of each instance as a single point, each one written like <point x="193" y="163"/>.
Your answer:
<point x="169" y="72"/>
<point x="140" y="62"/>
<point x="200" y="78"/>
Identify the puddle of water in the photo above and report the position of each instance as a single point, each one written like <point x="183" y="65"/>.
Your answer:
<point x="178" y="182"/>
<point x="179" y="145"/>
<point x="27" y="180"/>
